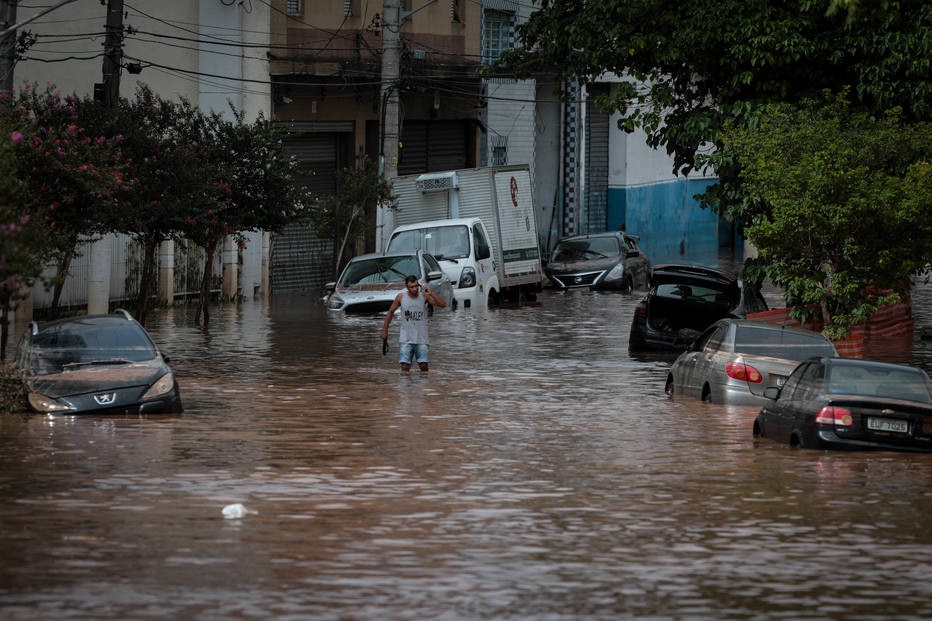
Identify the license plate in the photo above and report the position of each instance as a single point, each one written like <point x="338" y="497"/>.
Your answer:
<point x="887" y="424"/>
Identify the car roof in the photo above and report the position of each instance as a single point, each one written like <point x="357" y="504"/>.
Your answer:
<point x="871" y="364"/>
<point x="435" y="223"/>
<point x="684" y="272"/>
<point x="591" y="235"/>
<point x="767" y="325"/>
<point x="119" y="316"/>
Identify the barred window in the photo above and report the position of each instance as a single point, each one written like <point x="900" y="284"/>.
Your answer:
<point x="293" y="7"/>
<point x="497" y="34"/>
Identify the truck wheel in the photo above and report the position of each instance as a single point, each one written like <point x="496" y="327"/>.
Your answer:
<point x="494" y="299"/>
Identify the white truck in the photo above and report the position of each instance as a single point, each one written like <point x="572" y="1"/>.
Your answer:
<point x="479" y="223"/>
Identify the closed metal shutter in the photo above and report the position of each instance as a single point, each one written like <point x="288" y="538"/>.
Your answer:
<point x="597" y="167"/>
<point x="300" y="261"/>
<point x="431" y="146"/>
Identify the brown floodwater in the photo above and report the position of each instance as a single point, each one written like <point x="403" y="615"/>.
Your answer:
<point x="537" y="473"/>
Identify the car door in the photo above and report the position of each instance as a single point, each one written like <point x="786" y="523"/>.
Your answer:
<point x="696" y="363"/>
<point x="785" y="414"/>
<point x="636" y="262"/>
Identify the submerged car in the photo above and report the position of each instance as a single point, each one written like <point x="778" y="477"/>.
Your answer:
<point x="370" y="282"/>
<point x="735" y="360"/>
<point x="96" y="363"/>
<point x="609" y="260"/>
<point x="850" y="403"/>
<point x="684" y="300"/>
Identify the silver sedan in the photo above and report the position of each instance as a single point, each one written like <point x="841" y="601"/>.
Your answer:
<point x="734" y="360"/>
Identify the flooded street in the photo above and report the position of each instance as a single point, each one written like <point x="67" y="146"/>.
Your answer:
<point x="538" y="473"/>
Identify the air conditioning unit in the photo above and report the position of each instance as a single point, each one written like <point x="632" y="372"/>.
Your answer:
<point x="294" y="7"/>
<point x="437" y="182"/>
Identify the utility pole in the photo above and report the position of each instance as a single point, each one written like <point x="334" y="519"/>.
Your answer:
<point x="391" y="64"/>
<point x="98" y="282"/>
<point x="7" y="45"/>
<point x="109" y="90"/>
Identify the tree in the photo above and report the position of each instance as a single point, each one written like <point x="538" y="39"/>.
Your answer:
<point x="21" y="238"/>
<point x="843" y="205"/>
<point x="689" y="66"/>
<point x="71" y="168"/>
<point x="247" y="183"/>
<point x="338" y="216"/>
<point x="166" y="171"/>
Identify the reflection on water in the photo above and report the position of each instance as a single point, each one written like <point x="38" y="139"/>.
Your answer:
<point x="538" y="472"/>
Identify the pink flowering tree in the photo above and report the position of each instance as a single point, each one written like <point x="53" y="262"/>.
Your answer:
<point x="69" y="163"/>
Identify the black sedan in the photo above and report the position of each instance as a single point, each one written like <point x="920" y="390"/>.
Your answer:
<point x="850" y="403"/>
<point x="610" y="260"/>
<point x="684" y="300"/>
<point x="96" y="363"/>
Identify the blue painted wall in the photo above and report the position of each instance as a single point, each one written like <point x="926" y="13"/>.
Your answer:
<point x="671" y="225"/>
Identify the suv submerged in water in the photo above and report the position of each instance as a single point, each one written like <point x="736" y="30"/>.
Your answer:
<point x="683" y="301"/>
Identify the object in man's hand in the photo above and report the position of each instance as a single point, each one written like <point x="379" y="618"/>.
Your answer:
<point x="384" y="346"/>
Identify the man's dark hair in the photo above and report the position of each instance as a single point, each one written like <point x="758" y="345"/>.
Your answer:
<point x="411" y="278"/>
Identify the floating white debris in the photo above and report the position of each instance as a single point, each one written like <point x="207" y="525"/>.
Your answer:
<point x="235" y="511"/>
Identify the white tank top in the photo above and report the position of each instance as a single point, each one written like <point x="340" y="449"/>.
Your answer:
<point x="413" y="319"/>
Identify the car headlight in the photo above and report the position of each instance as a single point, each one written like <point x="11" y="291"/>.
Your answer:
<point x="163" y="386"/>
<point x="467" y="278"/>
<point x="335" y="302"/>
<point x="616" y="272"/>
<point x="41" y="403"/>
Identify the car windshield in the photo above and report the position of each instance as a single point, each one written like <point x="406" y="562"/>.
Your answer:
<point x="80" y="344"/>
<point x="585" y="249"/>
<point x="380" y="270"/>
<point x="756" y="341"/>
<point x="444" y="242"/>
<point x="698" y="293"/>
<point x="880" y="381"/>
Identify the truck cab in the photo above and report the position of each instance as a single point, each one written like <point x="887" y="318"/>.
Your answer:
<point x="463" y="248"/>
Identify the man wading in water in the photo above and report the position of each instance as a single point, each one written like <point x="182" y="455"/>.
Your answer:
<point x="412" y="342"/>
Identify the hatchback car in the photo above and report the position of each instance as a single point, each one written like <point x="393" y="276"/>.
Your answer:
<point x="850" y="403"/>
<point x="96" y="363"/>
<point x="735" y="360"/>
<point x="609" y="260"/>
<point x="684" y="300"/>
<point x="370" y="282"/>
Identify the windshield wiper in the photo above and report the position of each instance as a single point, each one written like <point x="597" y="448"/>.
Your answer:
<point x="87" y="363"/>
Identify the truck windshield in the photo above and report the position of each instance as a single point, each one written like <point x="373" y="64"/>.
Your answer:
<point x="444" y="242"/>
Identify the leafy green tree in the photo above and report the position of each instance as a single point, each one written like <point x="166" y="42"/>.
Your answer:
<point x="689" y="66"/>
<point x="339" y="216"/>
<point x="843" y="214"/>
<point x="247" y="183"/>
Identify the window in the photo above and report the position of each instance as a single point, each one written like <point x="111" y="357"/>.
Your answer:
<point x="293" y="7"/>
<point x="497" y="34"/>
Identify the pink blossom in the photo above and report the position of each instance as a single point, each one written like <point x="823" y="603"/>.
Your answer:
<point x="17" y="137"/>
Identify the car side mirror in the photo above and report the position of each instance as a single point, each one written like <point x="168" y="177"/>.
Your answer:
<point x="772" y="392"/>
<point x="435" y="275"/>
<point x="329" y="287"/>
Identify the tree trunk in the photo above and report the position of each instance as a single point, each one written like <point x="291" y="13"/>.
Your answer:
<point x="145" y="282"/>
<point x="64" y="264"/>
<point x="205" y="287"/>
<point x="4" y="330"/>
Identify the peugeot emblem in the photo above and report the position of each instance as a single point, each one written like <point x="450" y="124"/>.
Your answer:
<point x="106" y="398"/>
